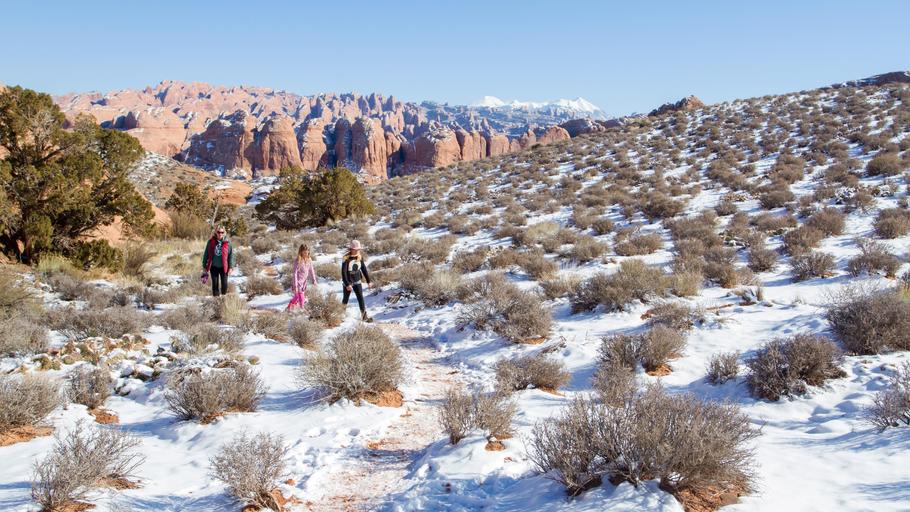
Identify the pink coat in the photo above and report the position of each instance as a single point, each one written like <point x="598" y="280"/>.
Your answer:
<point x="303" y="273"/>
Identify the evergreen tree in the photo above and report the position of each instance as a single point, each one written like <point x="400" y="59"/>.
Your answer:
<point x="315" y="199"/>
<point x="58" y="185"/>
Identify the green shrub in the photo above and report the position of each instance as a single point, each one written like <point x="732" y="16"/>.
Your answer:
<point x="315" y="199"/>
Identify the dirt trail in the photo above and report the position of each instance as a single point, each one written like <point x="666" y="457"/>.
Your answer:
<point x="373" y="473"/>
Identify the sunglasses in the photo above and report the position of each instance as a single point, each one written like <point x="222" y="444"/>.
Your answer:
<point x="220" y="232"/>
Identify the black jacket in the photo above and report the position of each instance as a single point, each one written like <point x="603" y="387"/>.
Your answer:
<point x="353" y="269"/>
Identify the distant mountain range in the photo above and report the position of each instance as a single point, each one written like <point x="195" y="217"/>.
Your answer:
<point x="577" y="108"/>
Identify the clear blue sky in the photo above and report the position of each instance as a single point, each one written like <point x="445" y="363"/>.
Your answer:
<point x="621" y="56"/>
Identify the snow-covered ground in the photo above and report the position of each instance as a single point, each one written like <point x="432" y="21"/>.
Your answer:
<point x="815" y="452"/>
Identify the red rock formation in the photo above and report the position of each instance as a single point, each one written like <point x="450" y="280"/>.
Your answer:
<point x="369" y="151"/>
<point x="685" y="104"/>
<point x="157" y="129"/>
<point x="311" y="142"/>
<point x="497" y="144"/>
<point x="551" y="134"/>
<point x="278" y="145"/>
<point x="473" y="145"/>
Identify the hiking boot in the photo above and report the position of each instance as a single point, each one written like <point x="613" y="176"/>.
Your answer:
<point x="365" y="317"/>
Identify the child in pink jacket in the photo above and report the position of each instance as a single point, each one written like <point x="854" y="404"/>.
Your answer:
<point x="303" y="273"/>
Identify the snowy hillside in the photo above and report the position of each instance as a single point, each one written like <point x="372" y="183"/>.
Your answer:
<point x="575" y="276"/>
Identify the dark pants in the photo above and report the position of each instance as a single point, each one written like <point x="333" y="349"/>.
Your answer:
<point x="358" y="291"/>
<point x="219" y="281"/>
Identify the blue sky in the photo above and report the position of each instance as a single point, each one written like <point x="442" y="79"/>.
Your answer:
<point x="624" y="57"/>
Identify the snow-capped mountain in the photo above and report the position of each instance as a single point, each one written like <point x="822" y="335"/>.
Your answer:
<point x="579" y="107"/>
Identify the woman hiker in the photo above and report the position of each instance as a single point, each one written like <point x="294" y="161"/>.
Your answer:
<point x="353" y="268"/>
<point x="218" y="261"/>
<point x="303" y="273"/>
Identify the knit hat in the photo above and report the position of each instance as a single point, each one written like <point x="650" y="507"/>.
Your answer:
<point x="355" y="245"/>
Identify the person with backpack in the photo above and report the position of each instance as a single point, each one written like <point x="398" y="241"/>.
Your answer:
<point x="353" y="269"/>
<point x="218" y="261"/>
<point x="303" y="272"/>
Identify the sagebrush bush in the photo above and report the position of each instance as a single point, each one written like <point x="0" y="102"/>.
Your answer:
<point x="456" y="414"/>
<point x="27" y="400"/>
<point x="637" y="245"/>
<point x="885" y="164"/>
<point x="82" y="460"/>
<point x="722" y="366"/>
<point x="200" y="338"/>
<point x="560" y="286"/>
<point x="470" y="261"/>
<point x="111" y="322"/>
<point x="613" y="381"/>
<point x="356" y="364"/>
<point x="830" y="221"/>
<point x="784" y="367"/>
<point x="89" y="386"/>
<point x="324" y="307"/>
<point x="675" y="315"/>
<point x="686" y="283"/>
<point x="251" y="467"/>
<point x="255" y="286"/>
<point x="587" y="248"/>
<point x="660" y="344"/>
<point x="21" y="331"/>
<point x="185" y="317"/>
<point x="195" y="395"/>
<point x="812" y="264"/>
<point x="493" y="413"/>
<point x="891" y="405"/>
<point x="870" y="322"/>
<point x="271" y="324"/>
<point x="305" y="332"/>
<point x="434" y="287"/>
<point x="892" y="223"/>
<point x="493" y="303"/>
<point x="762" y="259"/>
<point x="530" y="370"/>
<point x="634" y="281"/>
<point x="874" y="257"/>
<point x="802" y="240"/>
<point x="683" y="441"/>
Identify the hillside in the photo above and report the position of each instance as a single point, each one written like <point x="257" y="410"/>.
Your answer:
<point x="749" y="258"/>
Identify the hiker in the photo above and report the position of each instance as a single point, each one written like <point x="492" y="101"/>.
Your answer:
<point x="303" y="273"/>
<point x="218" y="261"/>
<point x="353" y="268"/>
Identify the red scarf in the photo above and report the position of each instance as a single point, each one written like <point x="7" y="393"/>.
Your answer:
<point x="211" y="253"/>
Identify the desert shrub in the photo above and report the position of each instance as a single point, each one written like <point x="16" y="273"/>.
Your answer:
<point x="186" y="317"/>
<point x="560" y="286"/>
<point x="355" y="364"/>
<point x="251" y="468"/>
<point x="675" y="315"/>
<point x="493" y="413"/>
<point x="69" y="286"/>
<point x="531" y="370"/>
<point x="587" y="248"/>
<point x="328" y="271"/>
<point x="885" y="164"/>
<point x="186" y="226"/>
<point x="536" y="265"/>
<point x="892" y="223"/>
<point x="111" y="322"/>
<point x="802" y="240"/>
<point x="683" y="441"/>
<point x="660" y="344"/>
<point x="776" y="197"/>
<point x="470" y="261"/>
<point x="271" y="324"/>
<point x="456" y="414"/>
<point x="722" y="366"/>
<point x="193" y="395"/>
<point x="812" y="264"/>
<point x="432" y="250"/>
<point x="686" y="283"/>
<point x="20" y="335"/>
<point x="231" y="309"/>
<point x="304" y="332"/>
<point x="761" y="259"/>
<point x="656" y="206"/>
<point x="199" y="338"/>
<point x="89" y="386"/>
<point x="537" y="233"/>
<point x="261" y="285"/>
<point x="565" y="448"/>
<point x="495" y="304"/>
<point x="324" y="307"/>
<point x="785" y="366"/>
<point x="620" y="350"/>
<point x="891" y="406"/>
<point x="613" y="380"/>
<point x="434" y="287"/>
<point x="870" y="322"/>
<point x="637" y="245"/>
<point x="634" y="281"/>
<point x="135" y="258"/>
<point x="602" y="226"/>
<point x="873" y="257"/>
<point x="830" y="221"/>
<point x="80" y="461"/>
<point x="26" y="400"/>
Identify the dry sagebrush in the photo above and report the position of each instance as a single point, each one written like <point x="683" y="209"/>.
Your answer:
<point x="251" y="466"/>
<point x="199" y="396"/>
<point x="355" y="364"/>
<point x="27" y="400"/>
